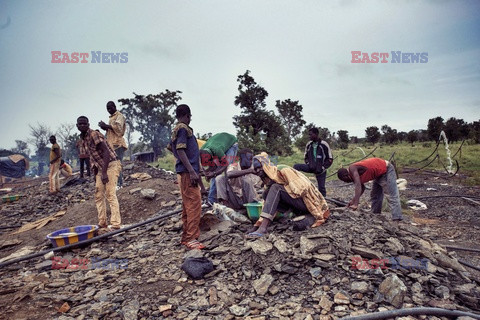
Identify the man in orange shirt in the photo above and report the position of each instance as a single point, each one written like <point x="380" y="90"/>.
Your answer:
<point x="384" y="179"/>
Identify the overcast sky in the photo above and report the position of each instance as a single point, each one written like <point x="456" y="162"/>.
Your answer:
<point x="299" y="50"/>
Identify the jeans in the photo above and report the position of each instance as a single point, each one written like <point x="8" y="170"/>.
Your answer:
<point x="321" y="177"/>
<point x="84" y="162"/>
<point x="120" y="152"/>
<point x="230" y="154"/>
<point x="278" y="197"/>
<point x="386" y="183"/>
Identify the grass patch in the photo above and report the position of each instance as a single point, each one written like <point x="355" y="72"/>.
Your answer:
<point x="406" y="155"/>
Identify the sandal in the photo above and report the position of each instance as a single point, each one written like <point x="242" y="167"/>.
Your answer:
<point x="318" y="223"/>
<point x="194" y="244"/>
<point x="255" y="235"/>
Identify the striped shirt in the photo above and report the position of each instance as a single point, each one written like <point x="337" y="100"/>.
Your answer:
<point x="91" y="142"/>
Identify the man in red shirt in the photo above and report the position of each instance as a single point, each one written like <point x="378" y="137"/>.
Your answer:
<point x="384" y="179"/>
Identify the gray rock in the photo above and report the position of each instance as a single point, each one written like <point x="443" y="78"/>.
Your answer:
<point x="367" y="253"/>
<point x="359" y="286"/>
<point x="148" y="193"/>
<point x="393" y="289"/>
<point x="261" y="285"/>
<point x="238" y="310"/>
<point x="308" y="246"/>
<point x="341" y="297"/>
<point x="442" y="292"/>
<point x="260" y="246"/>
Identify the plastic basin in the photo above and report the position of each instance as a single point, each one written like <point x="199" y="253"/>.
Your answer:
<point x="71" y="235"/>
<point x="253" y="210"/>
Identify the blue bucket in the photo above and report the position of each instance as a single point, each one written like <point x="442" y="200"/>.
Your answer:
<point x="71" y="235"/>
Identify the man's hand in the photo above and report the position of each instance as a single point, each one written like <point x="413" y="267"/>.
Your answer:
<point x="103" y="125"/>
<point x="209" y="174"/>
<point x="194" y="179"/>
<point x="104" y="178"/>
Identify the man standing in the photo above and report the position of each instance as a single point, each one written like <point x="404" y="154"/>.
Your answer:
<point x="106" y="169"/>
<point x="83" y="158"/>
<point x="217" y="153"/>
<point x="55" y="158"/>
<point x="384" y="179"/>
<point x="318" y="158"/>
<point x="115" y="129"/>
<point x="185" y="149"/>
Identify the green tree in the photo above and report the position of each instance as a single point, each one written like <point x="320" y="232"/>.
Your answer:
<point x="456" y="129"/>
<point x="434" y="127"/>
<point x="372" y="134"/>
<point x="152" y="118"/>
<point x="343" y="139"/>
<point x="474" y="131"/>
<point x="291" y="117"/>
<point x="389" y="134"/>
<point x="412" y="136"/>
<point x="255" y="124"/>
<point x="251" y="100"/>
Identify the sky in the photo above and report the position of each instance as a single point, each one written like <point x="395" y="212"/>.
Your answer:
<point x="299" y="50"/>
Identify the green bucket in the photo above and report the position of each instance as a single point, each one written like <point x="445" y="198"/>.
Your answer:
<point x="253" y="210"/>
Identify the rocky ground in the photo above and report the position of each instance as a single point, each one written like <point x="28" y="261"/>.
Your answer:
<point x="286" y="275"/>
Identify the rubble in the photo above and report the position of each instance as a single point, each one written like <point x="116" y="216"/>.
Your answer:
<point x="284" y="275"/>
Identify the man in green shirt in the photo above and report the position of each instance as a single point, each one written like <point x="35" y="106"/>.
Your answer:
<point x="217" y="153"/>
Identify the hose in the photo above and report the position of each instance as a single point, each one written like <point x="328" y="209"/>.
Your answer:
<point x="411" y="312"/>
<point x="81" y="243"/>
<point x="469" y="265"/>
<point x="446" y="196"/>
<point x="462" y="249"/>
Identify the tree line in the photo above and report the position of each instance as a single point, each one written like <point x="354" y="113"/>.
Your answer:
<point x="258" y="128"/>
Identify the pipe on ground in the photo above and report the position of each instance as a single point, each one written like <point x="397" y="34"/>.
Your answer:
<point x="81" y="243"/>
<point x="413" y="312"/>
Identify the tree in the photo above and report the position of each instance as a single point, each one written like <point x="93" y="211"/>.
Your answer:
<point x="389" y="134"/>
<point x="21" y="148"/>
<point x="412" y="136"/>
<point x="251" y="99"/>
<point x="70" y="151"/>
<point x="372" y="134"/>
<point x="354" y="139"/>
<point x="343" y="139"/>
<point x="151" y="117"/>
<point x="39" y="137"/>
<point x="474" y="132"/>
<point x="434" y="127"/>
<point x="255" y="124"/>
<point x="456" y="129"/>
<point x="291" y="117"/>
<point x="402" y="136"/>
